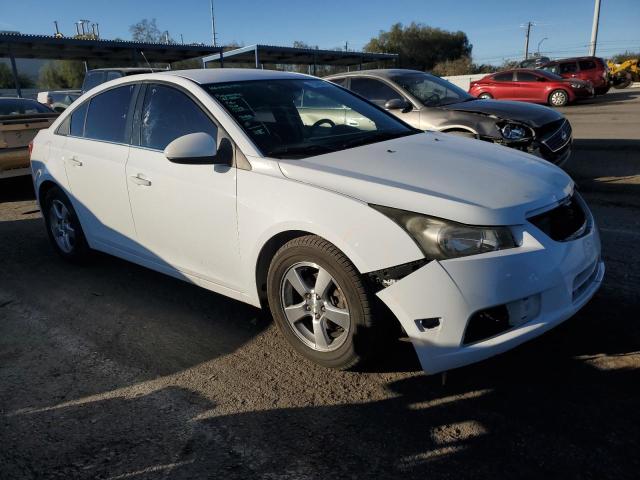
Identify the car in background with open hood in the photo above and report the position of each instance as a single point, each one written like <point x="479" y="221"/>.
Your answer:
<point x="428" y="102"/>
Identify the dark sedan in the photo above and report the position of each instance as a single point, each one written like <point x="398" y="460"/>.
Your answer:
<point x="431" y="103"/>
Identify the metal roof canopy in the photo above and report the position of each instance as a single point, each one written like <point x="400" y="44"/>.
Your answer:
<point x="47" y="47"/>
<point x="261" y="54"/>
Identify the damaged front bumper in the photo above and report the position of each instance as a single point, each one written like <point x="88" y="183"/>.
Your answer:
<point x="535" y="287"/>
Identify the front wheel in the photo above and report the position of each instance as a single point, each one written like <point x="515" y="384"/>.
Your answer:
<point x="485" y="96"/>
<point x="320" y="303"/>
<point x="558" y="98"/>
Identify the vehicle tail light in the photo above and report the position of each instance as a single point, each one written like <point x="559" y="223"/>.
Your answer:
<point x="30" y="148"/>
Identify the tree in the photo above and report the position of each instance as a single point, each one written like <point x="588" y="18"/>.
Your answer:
<point x="461" y="66"/>
<point x="420" y="47"/>
<point x="147" y="31"/>
<point x="60" y="74"/>
<point x="627" y="55"/>
<point x="7" y="81"/>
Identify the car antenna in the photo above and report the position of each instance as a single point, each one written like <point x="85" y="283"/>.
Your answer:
<point x="145" y="59"/>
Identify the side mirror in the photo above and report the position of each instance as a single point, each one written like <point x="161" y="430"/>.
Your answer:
<point x="194" y="149"/>
<point x="397" y="104"/>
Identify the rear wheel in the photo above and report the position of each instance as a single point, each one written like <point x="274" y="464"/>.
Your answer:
<point x="63" y="226"/>
<point x="485" y="96"/>
<point x="558" y="98"/>
<point x="320" y="303"/>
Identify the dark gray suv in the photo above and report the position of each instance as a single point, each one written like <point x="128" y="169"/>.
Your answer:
<point x="428" y="102"/>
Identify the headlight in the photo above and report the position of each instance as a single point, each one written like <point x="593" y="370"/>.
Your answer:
<point x="441" y="239"/>
<point x="577" y="85"/>
<point x="511" y="131"/>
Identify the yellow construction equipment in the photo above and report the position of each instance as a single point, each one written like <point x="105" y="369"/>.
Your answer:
<point x="622" y="74"/>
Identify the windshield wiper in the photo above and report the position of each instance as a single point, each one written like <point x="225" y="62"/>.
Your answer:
<point x="304" y="150"/>
<point x="375" y="137"/>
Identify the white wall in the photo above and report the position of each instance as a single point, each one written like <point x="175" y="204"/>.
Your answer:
<point x="463" y="81"/>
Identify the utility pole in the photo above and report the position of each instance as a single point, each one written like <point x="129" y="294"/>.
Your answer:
<point x="594" y="29"/>
<point x="346" y="46"/>
<point x="526" y="40"/>
<point x="213" y="25"/>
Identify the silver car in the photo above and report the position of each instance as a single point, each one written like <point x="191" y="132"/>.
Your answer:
<point x="428" y="102"/>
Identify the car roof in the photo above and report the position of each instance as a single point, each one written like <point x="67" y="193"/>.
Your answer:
<point x="221" y="75"/>
<point x="382" y="73"/>
<point x="123" y="69"/>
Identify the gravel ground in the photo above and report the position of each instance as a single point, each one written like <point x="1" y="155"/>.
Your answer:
<point x="114" y="371"/>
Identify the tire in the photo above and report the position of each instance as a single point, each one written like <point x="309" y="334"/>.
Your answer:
<point x="485" y="96"/>
<point x="308" y="326"/>
<point x="558" y="98"/>
<point x="63" y="227"/>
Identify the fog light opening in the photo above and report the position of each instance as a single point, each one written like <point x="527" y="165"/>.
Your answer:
<point x="429" y="323"/>
<point x="486" y="324"/>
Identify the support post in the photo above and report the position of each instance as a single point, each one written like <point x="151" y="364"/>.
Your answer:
<point x="526" y="41"/>
<point x="14" y="69"/>
<point x="594" y="29"/>
<point x="221" y="59"/>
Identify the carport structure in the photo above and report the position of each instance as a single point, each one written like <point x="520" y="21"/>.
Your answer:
<point x="14" y="46"/>
<point x="261" y="54"/>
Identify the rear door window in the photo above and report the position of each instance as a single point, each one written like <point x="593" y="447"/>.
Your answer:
<point x="527" y="77"/>
<point x="167" y="114"/>
<point x="503" y="77"/>
<point x="569" y="67"/>
<point x="108" y="113"/>
<point x="374" y="90"/>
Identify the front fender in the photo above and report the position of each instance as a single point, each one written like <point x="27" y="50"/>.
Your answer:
<point x="269" y="205"/>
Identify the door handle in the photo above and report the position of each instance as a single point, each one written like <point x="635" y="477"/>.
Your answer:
<point x="75" y="162"/>
<point x="353" y="123"/>
<point x="140" y="180"/>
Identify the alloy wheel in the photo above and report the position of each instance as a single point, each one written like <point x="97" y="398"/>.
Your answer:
<point x="61" y="227"/>
<point x="315" y="307"/>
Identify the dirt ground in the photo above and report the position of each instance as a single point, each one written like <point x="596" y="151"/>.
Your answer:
<point x="114" y="371"/>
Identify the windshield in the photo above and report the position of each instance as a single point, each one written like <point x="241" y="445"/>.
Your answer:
<point x="304" y="117"/>
<point x="431" y="91"/>
<point x="21" y="106"/>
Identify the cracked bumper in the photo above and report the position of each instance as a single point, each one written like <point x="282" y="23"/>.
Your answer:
<point x="558" y="278"/>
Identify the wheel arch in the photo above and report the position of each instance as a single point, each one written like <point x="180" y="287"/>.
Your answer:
<point x="265" y="256"/>
<point x="45" y="187"/>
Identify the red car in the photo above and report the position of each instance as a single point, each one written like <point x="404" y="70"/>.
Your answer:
<point x="536" y="86"/>
<point x="593" y="69"/>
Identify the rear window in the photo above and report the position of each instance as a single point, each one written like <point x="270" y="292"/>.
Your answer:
<point x="587" y="64"/>
<point x="107" y="116"/>
<point x="21" y="106"/>
<point x="92" y="79"/>
<point x="339" y="81"/>
<point x="113" y="75"/>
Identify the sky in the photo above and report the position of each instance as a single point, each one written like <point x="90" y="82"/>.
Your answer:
<point x="493" y="27"/>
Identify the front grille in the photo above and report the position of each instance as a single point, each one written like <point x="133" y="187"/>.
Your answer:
<point x="559" y="138"/>
<point x="567" y="221"/>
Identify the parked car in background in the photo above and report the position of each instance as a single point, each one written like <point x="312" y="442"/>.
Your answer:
<point x="536" y="86"/>
<point x="20" y="120"/>
<point x="218" y="177"/>
<point x="592" y="69"/>
<point x="534" y="62"/>
<point x="95" y="77"/>
<point x="58" y="100"/>
<point x="428" y="102"/>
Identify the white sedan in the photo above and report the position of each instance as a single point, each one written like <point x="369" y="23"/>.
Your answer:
<point x="283" y="190"/>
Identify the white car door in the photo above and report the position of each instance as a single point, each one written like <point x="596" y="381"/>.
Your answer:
<point x="185" y="214"/>
<point x="95" y="155"/>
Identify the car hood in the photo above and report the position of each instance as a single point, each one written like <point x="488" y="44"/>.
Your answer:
<point x="446" y="176"/>
<point x="530" y="114"/>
